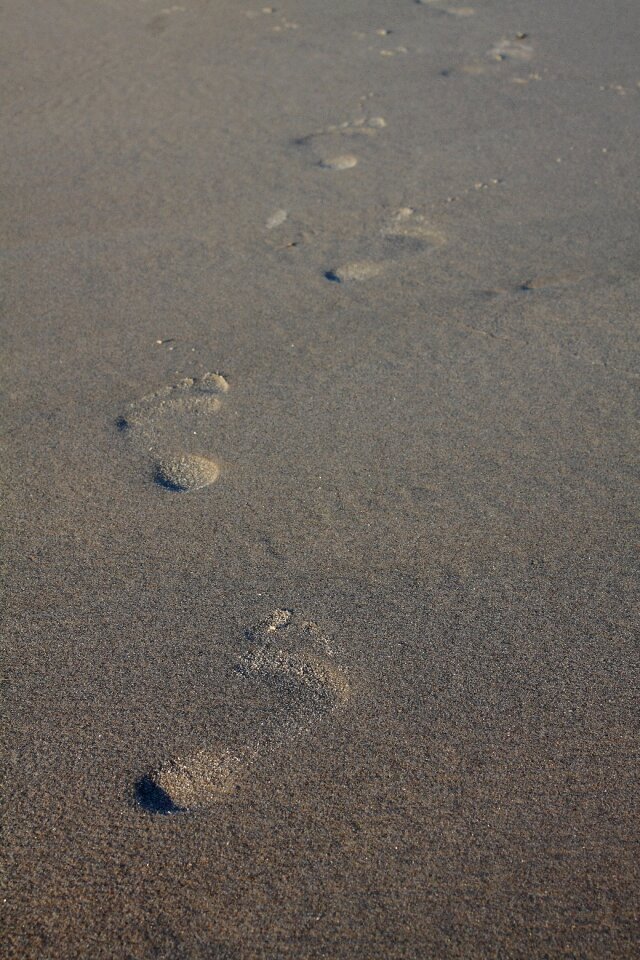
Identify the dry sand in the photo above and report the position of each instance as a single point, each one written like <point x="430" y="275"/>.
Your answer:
<point x="320" y="368"/>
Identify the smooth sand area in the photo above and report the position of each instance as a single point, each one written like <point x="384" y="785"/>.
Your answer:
<point x="320" y="367"/>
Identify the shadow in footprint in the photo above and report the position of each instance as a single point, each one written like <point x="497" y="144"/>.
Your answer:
<point x="153" y="798"/>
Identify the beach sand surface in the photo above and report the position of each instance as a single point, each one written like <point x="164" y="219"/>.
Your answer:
<point x="320" y="372"/>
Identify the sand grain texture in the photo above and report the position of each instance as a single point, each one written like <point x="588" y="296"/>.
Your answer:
<point x="428" y="465"/>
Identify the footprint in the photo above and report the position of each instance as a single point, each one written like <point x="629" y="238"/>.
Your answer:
<point x="516" y="49"/>
<point x="193" y="394"/>
<point x="325" y="145"/>
<point x="359" y="127"/>
<point x="292" y="660"/>
<point x="404" y="235"/>
<point x="160" y="423"/>
<point x="405" y="222"/>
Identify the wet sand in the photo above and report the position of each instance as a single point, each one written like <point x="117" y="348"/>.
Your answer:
<point x="320" y="381"/>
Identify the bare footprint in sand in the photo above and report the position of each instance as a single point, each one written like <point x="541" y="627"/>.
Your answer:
<point x="404" y="235"/>
<point x="293" y="661"/>
<point x="326" y="147"/>
<point x="161" y="422"/>
<point x="517" y="49"/>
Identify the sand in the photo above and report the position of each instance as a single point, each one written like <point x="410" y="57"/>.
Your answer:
<point x="320" y="380"/>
